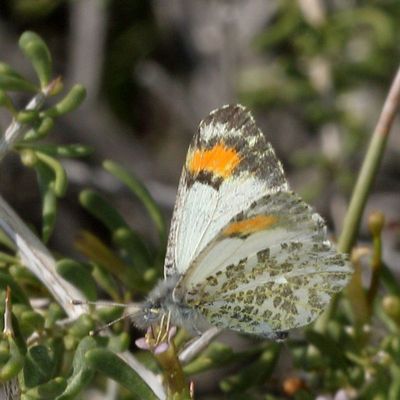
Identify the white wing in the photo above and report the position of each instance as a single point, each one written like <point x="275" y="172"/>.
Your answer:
<point x="269" y="269"/>
<point x="229" y="165"/>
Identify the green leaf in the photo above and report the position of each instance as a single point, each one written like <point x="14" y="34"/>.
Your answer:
<point x="285" y="27"/>
<point x="79" y="275"/>
<point x="6" y="69"/>
<point x="70" y="150"/>
<point x="142" y="194"/>
<point x="119" y="343"/>
<point x="48" y="390"/>
<point x="82" y="326"/>
<point x="17" y="294"/>
<point x="49" y="213"/>
<point x="82" y="374"/>
<point x="254" y="374"/>
<point x="106" y="281"/>
<point x="36" y="51"/>
<point x="39" y="366"/>
<point x="109" y="364"/>
<point x="6" y="241"/>
<point x="45" y="178"/>
<point x="7" y="258"/>
<point x="216" y="355"/>
<point x="46" y="124"/>
<point x="97" y="251"/>
<point x="70" y="102"/>
<point x="327" y="347"/>
<point x="28" y="158"/>
<point x="27" y="116"/>
<point x="377" y="388"/>
<point x="389" y="281"/>
<point x="30" y="321"/>
<point x="14" y="363"/>
<point x="54" y="313"/>
<point x="109" y="314"/>
<point x="34" y="11"/>
<point x="101" y="209"/>
<point x="12" y="83"/>
<point x="394" y="391"/>
<point x="4" y="350"/>
<point x="133" y="246"/>
<point x="60" y="177"/>
<point x="24" y="276"/>
<point x="122" y="234"/>
<point x="5" y="101"/>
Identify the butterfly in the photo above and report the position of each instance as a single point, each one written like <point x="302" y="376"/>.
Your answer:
<point x="244" y="252"/>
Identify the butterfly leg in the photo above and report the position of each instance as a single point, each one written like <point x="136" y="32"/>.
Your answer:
<point x="279" y="336"/>
<point x="163" y="328"/>
<point x="160" y="329"/>
<point x="166" y="328"/>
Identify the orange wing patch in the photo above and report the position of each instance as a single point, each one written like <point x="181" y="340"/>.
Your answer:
<point x="251" y="225"/>
<point x="220" y="160"/>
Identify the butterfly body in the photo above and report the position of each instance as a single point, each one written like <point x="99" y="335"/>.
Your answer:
<point x="161" y="301"/>
<point x="244" y="252"/>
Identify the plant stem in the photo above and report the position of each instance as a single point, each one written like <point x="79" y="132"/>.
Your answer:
<point x="39" y="261"/>
<point x="173" y="374"/>
<point x="369" y="167"/>
<point x="376" y="222"/>
<point x="16" y="129"/>
<point x="364" y="182"/>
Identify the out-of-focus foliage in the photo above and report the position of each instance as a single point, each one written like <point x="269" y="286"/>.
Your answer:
<point x="52" y="360"/>
<point x="318" y="68"/>
<point x="313" y="67"/>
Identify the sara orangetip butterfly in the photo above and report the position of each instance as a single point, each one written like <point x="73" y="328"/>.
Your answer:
<point x="244" y="251"/>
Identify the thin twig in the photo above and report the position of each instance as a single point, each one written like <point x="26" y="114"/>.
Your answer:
<point x="8" y="328"/>
<point x="390" y="108"/>
<point x="33" y="253"/>
<point x="10" y="390"/>
<point x="370" y="167"/>
<point x="16" y="129"/>
<point x="39" y="261"/>
<point x="364" y="182"/>
<point x="198" y="345"/>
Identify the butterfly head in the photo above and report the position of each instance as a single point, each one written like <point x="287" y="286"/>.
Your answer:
<point x="161" y="305"/>
<point x="152" y="312"/>
<point x="157" y="304"/>
<point x="148" y="313"/>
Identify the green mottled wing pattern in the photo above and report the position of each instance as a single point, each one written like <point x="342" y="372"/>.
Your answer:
<point x="269" y="276"/>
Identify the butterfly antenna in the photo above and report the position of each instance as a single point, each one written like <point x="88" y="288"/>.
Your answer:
<point x="94" y="332"/>
<point x="99" y="303"/>
<point x="122" y="317"/>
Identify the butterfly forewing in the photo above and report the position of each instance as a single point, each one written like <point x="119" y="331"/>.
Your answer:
<point x="247" y="254"/>
<point x="269" y="269"/>
<point x="229" y="165"/>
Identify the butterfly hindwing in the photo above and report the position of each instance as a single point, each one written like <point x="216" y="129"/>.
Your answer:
<point x="229" y="165"/>
<point x="269" y="269"/>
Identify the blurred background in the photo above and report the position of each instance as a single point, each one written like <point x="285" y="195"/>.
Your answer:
<point x="314" y="73"/>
